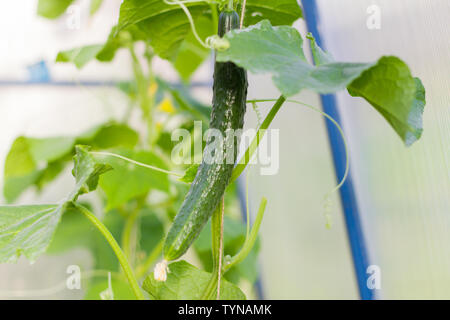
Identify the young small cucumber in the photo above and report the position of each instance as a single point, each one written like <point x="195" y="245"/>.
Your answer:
<point x="208" y="187"/>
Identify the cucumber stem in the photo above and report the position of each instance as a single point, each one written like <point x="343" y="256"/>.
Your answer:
<point x="230" y="5"/>
<point x="217" y="250"/>
<point x="250" y="241"/>
<point x="243" y="162"/>
<point x="117" y="250"/>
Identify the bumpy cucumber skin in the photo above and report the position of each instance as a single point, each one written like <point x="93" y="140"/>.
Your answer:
<point x="208" y="187"/>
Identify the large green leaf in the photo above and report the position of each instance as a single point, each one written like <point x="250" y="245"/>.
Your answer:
<point x="170" y="33"/>
<point x="27" y="159"/>
<point x="403" y="107"/>
<point x="105" y="52"/>
<point x="151" y="230"/>
<point x="386" y="84"/>
<point x="191" y="53"/>
<point x="52" y="9"/>
<point x="28" y="230"/>
<point x="86" y="171"/>
<point x="186" y="282"/>
<point x="167" y="29"/>
<point x="79" y="56"/>
<point x="128" y="181"/>
<point x="37" y="161"/>
<point x="400" y="98"/>
<point x="73" y="231"/>
<point x="110" y="135"/>
<point x="95" y="5"/>
<point x="278" y="12"/>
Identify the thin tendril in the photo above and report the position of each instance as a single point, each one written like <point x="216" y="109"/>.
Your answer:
<point x="136" y="163"/>
<point x="327" y="201"/>
<point x="213" y="42"/>
<point x="258" y="113"/>
<point x="189" y="16"/>
<point x="243" y="13"/>
<point x="247" y="210"/>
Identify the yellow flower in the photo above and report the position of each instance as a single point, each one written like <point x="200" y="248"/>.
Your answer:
<point x="166" y="106"/>
<point x="152" y="89"/>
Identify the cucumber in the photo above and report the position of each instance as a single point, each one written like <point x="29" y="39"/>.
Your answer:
<point x="208" y="187"/>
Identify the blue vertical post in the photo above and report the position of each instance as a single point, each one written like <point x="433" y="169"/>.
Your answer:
<point x="355" y="233"/>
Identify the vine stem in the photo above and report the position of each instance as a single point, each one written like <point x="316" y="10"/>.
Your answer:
<point x="129" y="231"/>
<point x="117" y="250"/>
<point x="243" y="162"/>
<point x="219" y="271"/>
<point x="217" y="252"/>
<point x="249" y="241"/>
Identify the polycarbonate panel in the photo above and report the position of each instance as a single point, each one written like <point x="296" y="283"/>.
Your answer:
<point x="404" y="192"/>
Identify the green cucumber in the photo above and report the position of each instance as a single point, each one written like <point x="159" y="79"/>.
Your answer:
<point x="208" y="187"/>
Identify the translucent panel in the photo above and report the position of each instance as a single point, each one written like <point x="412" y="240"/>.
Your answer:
<point x="404" y="192"/>
<point x="301" y="258"/>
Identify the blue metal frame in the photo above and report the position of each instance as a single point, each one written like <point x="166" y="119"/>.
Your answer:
<point x="349" y="202"/>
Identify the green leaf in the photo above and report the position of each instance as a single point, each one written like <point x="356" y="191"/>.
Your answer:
<point x="50" y="149"/>
<point x="102" y="52"/>
<point x="151" y="230"/>
<point x="171" y="36"/>
<point x="27" y="230"/>
<point x="52" y="9"/>
<point x="135" y="11"/>
<point x="279" y="12"/>
<point x="128" y="181"/>
<point x="79" y="56"/>
<point x="390" y="88"/>
<point x="191" y="53"/>
<point x="386" y="84"/>
<point x="27" y="160"/>
<point x="170" y="27"/>
<point x="95" y="5"/>
<point x="190" y="173"/>
<point x="86" y="171"/>
<point x="74" y="231"/>
<point x="33" y="161"/>
<point x="110" y="135"/>
<point x="120" y="39"/>
<point x="186" y="282"/>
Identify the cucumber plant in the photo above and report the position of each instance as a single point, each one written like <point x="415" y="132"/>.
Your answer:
<point x="154" y="210"/>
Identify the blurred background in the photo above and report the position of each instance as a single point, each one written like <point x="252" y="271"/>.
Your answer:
<point x="403" y="193"/>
